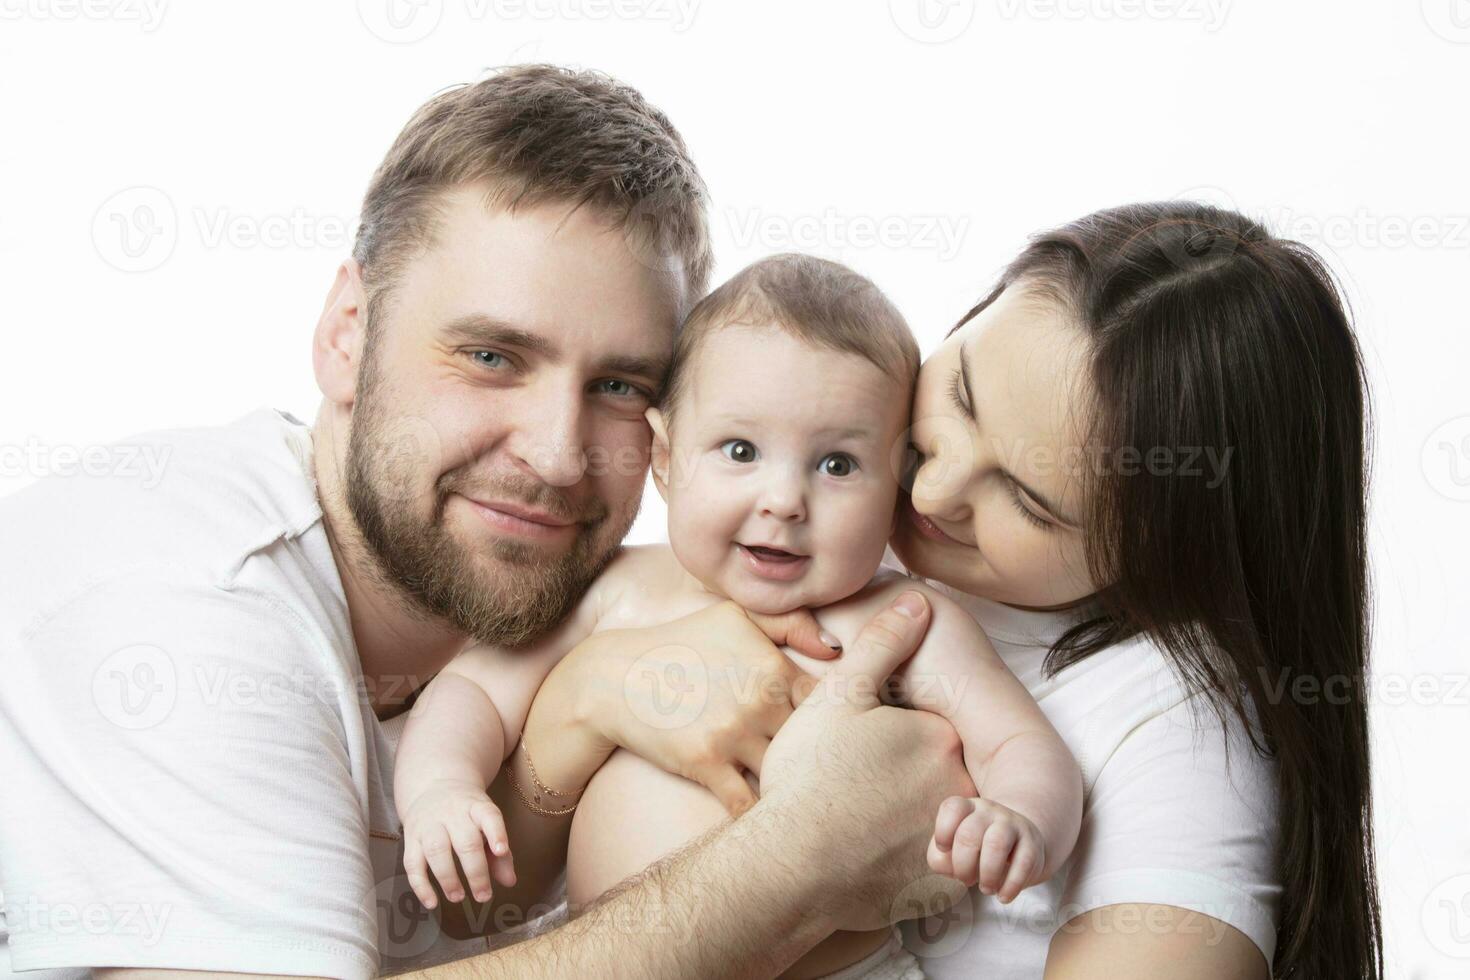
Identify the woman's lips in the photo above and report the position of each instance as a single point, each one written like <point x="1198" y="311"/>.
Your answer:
<point x="777" y="566"/>
<point x="928" y="528"/>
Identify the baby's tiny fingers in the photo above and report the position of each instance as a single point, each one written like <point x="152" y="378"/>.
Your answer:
<point x="469" y="846"/>
<point x="966" y="850"/>
<point x="492" y="824"/>
<point x="952" y="813"/>
<point x="503" y="868"/>
<point x="995" y="855"/>
<point x="416" y="870"/>
<point x="1025" y="864"/>
<point x="940" y="862"/>
<point x="440" y="856"/>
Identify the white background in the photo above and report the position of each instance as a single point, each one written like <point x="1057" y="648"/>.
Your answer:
<point x="918" y="140"/>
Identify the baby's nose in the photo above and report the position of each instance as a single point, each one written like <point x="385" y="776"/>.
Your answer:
<point x="784" y="501"/>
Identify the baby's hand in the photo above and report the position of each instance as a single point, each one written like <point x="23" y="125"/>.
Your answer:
<point x="981" y="842"/>
<point x="452" y="819"/>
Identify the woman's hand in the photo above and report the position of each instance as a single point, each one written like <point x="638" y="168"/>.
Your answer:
<point x="699" y="697"/>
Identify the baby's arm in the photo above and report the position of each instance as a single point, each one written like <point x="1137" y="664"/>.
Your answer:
<point x="1024" y="823"/>
<point x="458" y="735"/>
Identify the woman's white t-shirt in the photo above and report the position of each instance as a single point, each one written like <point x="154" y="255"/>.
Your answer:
<point x="1167" y="818"/>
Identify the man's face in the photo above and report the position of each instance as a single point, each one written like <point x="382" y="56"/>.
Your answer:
<point x="498" y="445"/>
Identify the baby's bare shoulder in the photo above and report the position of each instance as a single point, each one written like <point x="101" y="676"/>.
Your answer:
<point x="644" y="585"/>
<point x="882" y="589"/>
<point x="951" y="626"/>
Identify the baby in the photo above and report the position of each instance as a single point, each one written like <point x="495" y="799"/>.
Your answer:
<point x="778" y="449"/>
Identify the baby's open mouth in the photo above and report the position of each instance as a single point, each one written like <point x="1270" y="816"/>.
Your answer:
<point x="773" y="563"/>
<point x="771" y="554"/>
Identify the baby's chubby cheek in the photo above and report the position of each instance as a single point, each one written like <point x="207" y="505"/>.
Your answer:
<point x="848" y="559"/>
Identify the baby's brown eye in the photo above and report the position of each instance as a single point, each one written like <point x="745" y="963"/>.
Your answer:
<point x="739" y="450"/>
<point x="838" y="464"/>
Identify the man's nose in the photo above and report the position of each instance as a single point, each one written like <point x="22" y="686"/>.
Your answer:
<point x="549" y="442"/>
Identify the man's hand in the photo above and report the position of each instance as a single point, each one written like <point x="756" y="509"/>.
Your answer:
<point x="699" y="697"/>
<point x="860" y="782"/>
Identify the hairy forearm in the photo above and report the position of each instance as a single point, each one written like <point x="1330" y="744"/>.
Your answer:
<point x="698" y="912"/>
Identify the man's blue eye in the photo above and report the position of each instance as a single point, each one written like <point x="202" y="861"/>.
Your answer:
<point x="620" y="388"/>
<point x="739" y="450"/>
<point x="838" y="464"/>
<point x="484" y="356"/>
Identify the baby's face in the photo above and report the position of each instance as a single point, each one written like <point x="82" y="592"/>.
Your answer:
<point x="783" y="469"/>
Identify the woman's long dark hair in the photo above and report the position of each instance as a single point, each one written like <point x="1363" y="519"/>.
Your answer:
<point x="1206" y="332"/>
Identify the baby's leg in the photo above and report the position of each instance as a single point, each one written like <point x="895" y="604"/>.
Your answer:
<point x="632" y="814"/>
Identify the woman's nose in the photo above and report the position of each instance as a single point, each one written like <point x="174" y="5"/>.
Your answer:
<point x="942" y="462"/>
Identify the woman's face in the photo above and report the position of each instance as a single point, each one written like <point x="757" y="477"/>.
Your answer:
<point x="997" y="501"/>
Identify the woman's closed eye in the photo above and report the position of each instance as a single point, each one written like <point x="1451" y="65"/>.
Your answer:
<point x="1017" y="495"/>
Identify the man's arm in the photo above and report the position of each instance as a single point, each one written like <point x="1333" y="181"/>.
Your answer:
<point x="842" y="760"/>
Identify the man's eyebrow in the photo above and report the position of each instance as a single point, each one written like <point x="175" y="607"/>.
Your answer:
<point x="476" y="328"/>
<point x="650" y="369"/>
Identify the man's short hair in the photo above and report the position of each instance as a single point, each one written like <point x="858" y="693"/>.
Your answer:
<point x="538" y="134"/>
<point x="823" y="303"/>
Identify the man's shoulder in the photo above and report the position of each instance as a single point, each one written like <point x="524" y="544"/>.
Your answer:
<point x="180" y="506"/>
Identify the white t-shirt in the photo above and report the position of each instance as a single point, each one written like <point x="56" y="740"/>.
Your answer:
<point x="191" y="778"/>
<point x="1165" y="820"/>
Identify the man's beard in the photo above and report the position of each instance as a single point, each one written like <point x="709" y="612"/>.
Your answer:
<point x="511" y="595"/>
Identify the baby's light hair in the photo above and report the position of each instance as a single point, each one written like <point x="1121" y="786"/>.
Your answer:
<point x="820" y="302"/>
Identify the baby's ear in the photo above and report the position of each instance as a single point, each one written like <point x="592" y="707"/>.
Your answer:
<point x="659" y="452"/>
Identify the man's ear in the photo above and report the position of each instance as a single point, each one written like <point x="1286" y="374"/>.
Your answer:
<point x="336" y="346"/>
<point x="659" y="452"/>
